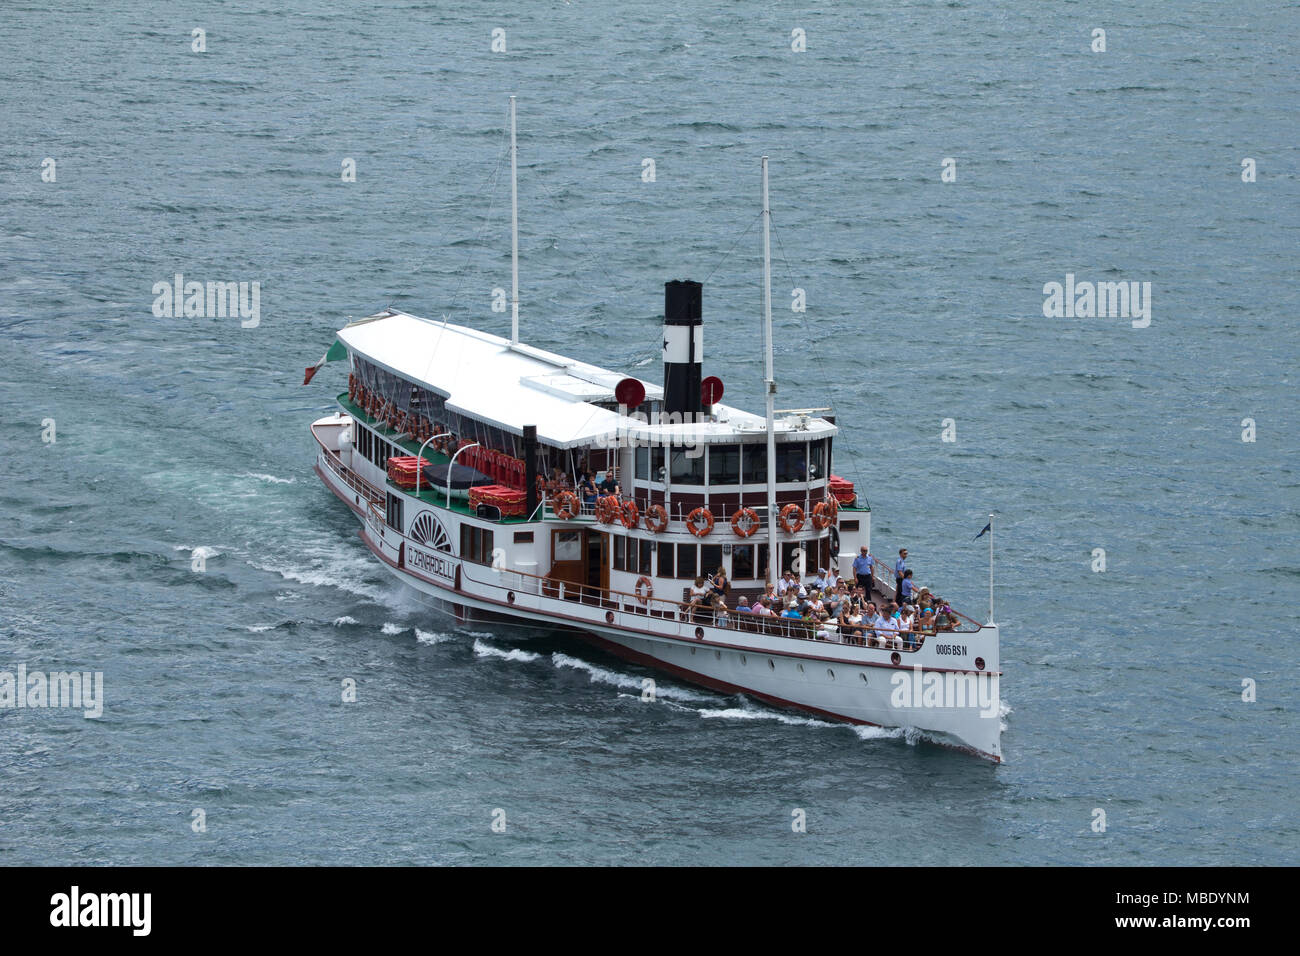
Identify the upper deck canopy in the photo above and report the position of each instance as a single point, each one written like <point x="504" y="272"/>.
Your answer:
<point x="484" y="377"/>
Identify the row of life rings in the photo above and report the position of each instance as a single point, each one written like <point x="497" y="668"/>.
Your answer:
<point x="406" y="423"/>
<point x="699" y="522"/>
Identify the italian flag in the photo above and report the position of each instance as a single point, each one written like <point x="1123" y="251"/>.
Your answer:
<point x="336" y="352"/>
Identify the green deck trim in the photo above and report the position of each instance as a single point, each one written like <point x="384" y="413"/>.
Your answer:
<point x="436" y="458"/>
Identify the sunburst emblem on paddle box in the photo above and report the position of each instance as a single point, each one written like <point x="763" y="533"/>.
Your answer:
<point x="428" y="531"/>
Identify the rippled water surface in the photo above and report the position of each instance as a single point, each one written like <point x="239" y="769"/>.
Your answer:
<point x="925" y="303"/>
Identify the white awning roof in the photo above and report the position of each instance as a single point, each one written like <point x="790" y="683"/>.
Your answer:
<point x="484" y="377"/>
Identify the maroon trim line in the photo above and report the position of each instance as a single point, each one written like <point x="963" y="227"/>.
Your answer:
<point x="690" y="642"/>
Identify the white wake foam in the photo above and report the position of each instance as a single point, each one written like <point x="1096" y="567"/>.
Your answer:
<point x="514" y="654"/>
<point x="599" y="675"/>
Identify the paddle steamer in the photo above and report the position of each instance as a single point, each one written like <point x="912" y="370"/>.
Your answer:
<point x="461" y="453"/>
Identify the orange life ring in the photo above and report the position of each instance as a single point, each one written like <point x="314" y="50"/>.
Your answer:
<point x="649" y="589"/>
<point x="660" y="521"/>
<point x="565" y="505"/>
<point x="607" y="509"/>
<point x="824" y="513"/>
<point x="629" y="514"/>
<point x="747" y="513"/>
<point x="788" y="510"/>
<point x="696" y="515"/>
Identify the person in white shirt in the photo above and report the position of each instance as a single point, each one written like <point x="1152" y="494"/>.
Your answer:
<point x="833" y="580"/>
<point x="821" y="582"/>
<point x="786" y="583"/>
<point x="886" y="631"/>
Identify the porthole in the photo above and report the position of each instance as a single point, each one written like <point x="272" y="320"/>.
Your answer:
<point x="742" y="659"/>
<point x="864" y="678"/>
<point x="771" y="664"/>
<point x="718" y="654"/>
<point x="800" y="668"/>
<point x="830" y="673"/>
<point x="692" y="652"/>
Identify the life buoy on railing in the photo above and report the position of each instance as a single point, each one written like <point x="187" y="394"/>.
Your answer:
<point x="786" y="512"/>
<point x="644" y="598"/>
<point x="630" y="514"/>
<point x="748" y="515"/>
<point x="606" y="508"/>
<point x="824" y="513"/>
<point x="695" y="517"/>
<point x="660" y="516"/>
<point x="565" y="505"/>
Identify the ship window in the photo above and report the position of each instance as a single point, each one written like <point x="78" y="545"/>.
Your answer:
<point x="787" y="557"/>
<point x="523" y="537"/>
<point x="816" y="465"/>
<point x="657" y="464"/>
<point x="742" y="562"/>
<point x="724" y="465"/>
<point x="393" y="512"/>
<point x="849" y="525"/>
<point x="643" y="464"/>
<point x="755" y="464"/>
<point x="791" y="462"/>
<point x="686" y="561"/>
<point x="666" y="562"/>
<point x="760" y="570"/>
<point x="646" y="547"/>
<point x="476" y="544"/>
<point x="687" y="470"/>
<point x="618" y="552"/>
<point x="710" y="558"/>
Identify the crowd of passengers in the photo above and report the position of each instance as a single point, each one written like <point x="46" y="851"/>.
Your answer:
<point x="828" y="607"/>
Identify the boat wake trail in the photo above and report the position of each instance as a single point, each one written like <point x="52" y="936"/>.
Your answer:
<point x="600" y="675"/>
<point x="514" y="654"/>
<point x="753" y="713"/>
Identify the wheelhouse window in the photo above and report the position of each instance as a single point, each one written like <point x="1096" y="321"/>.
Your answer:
<point x="643" y="464"/>
<point x="687" y="470"/>
<point x="724" y="465"/>
<point x="754" y="463"/>
<point x="792" y="462"/>
<point x="817" y="459"/>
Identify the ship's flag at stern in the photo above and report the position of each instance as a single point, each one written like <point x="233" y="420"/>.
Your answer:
<point x="336" y="351"/>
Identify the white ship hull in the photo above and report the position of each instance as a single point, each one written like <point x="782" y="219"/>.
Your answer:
<point x="948" y="689"/>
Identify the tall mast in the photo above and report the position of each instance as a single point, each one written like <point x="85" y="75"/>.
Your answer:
<point x="514" y="232"/>
<point x="773" y="554"/>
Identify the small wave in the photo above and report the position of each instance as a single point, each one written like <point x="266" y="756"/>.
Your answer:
<point x="259" y="628"/>
<point x="866" y="732"/>
<point x="392" y="629"/>
<point x="269" y="478"/>
<point x="747" y="713"/>
<point x="345" y="619"/>
<point x="600" y="675"/>
<point x="514" y="654"/>
<point x="431" y="637"/>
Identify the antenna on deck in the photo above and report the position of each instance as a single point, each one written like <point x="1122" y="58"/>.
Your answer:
<point x="514" y="231"/>
<point x="773" y="554"/>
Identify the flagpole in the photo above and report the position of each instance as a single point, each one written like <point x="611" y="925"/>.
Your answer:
<point x="990" y="569"/>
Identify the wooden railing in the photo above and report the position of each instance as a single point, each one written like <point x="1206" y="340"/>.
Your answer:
<point x="681" y="612"/>
<point x="348" y="476"/>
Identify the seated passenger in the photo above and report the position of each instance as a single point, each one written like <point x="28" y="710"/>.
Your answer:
<point x="718" y="583"/>
<point x="699" y="593"/>
<point x="820" y="583"/>
<point x="587" y="489"/>
<point x="742" y="605"/>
